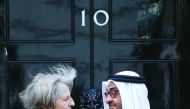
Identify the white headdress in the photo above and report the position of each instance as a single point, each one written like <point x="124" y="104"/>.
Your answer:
<point x="133" y="91"/>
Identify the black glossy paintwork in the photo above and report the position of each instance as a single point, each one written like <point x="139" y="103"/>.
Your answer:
<point x="149" y="37"/>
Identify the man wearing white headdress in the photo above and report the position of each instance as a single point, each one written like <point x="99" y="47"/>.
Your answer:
<point x="125" y="90"/>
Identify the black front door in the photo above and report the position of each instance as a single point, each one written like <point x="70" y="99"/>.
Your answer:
<point x="98" y="38"/>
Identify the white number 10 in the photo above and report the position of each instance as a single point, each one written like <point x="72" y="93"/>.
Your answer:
<point x="95" y="18"/>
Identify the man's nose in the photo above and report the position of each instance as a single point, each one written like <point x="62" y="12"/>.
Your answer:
<point x="108" y="99"/>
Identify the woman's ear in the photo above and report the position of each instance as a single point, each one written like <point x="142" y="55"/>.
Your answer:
<point x="46" y="107"/>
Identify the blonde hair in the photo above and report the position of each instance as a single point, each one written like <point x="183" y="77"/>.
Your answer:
<point x="46" y="87"/>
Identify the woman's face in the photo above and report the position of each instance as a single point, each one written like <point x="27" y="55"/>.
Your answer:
<point x="64" y="101"/>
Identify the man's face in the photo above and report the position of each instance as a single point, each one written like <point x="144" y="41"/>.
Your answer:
<point x="113" y="98"/>
<point x="64" y="101"/>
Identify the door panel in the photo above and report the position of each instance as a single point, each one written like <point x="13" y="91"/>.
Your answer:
<point x="143" y="19"/>
<point x="43" y="20"/>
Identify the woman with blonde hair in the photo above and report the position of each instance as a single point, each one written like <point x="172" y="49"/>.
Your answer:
<point x="50" y="90"/>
